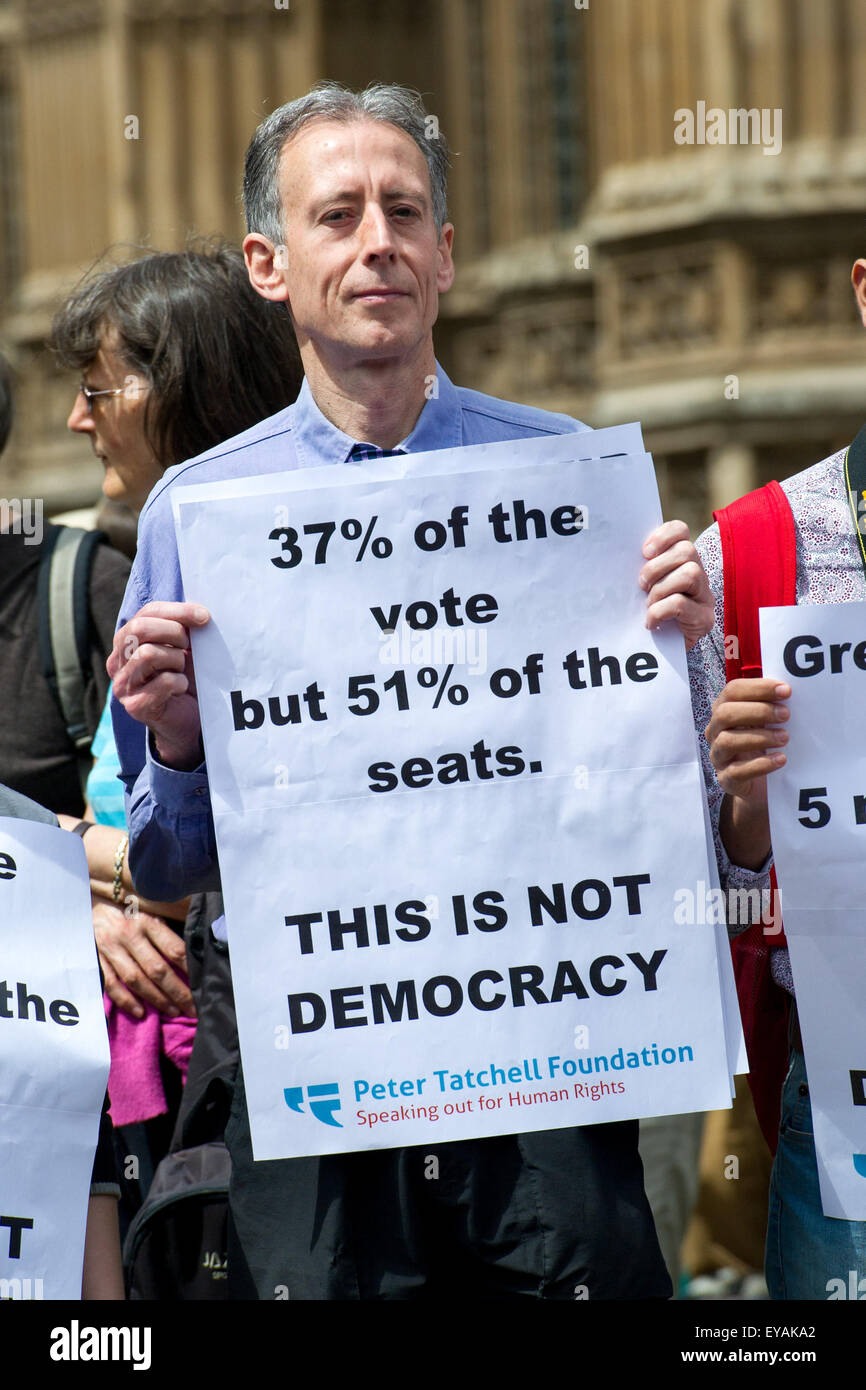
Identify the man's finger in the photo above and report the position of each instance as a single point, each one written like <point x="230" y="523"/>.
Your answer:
<point x="732" y="746"/>
<point x="686" y="578"/>
<point x="149" y="661"/>
<point x="737" y="778"/>
<point x="693" y="618"/>
<point x="683" y="552"/>
<point x="745" y="714"/>
<point x="147" y="703"/>
<point x="752" y="688"/>
<point x="189" y="614"/>
<point x="163" y="624"/>
<point x="665" y="536"/>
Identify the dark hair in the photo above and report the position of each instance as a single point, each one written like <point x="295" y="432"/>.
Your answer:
<point x="387" y="102"/>
<point x="217" y="356"/>
<point x="6" y="410"/>
<point x="119" y="521"/>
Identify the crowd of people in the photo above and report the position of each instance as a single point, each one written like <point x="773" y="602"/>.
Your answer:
<point x="315" y="346"/>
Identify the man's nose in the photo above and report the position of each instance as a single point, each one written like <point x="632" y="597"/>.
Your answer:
<point x="80" y="418"/>
<point x="376" y="232"/>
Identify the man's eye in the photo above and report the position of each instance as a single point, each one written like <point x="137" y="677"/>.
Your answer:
<point x="337" y="215"/>
<point x="406" y="212"/>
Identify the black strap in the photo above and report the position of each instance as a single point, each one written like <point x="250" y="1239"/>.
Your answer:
<point x="81" y="598"/>
<point x="64" y="625"/>
<point x="855" y="481"/>
<point x="43" y="600"/>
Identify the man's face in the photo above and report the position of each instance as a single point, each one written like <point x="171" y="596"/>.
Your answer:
<point x="363" y="264"/>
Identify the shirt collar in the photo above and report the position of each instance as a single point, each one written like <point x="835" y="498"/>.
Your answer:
<point x="318" y="442"/>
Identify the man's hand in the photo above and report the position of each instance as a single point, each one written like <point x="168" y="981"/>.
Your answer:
<point x="140" y="958"/>
<point x="151" y="670"/>
<point x="676" y="584"/>
<point x="745" y="746"/>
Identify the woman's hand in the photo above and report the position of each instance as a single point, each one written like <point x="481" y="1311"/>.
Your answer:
<point x="142" y="959"/>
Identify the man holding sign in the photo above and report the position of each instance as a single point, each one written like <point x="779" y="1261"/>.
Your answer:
<point x="345" y="197"/>
<point x="812" y="1251"/>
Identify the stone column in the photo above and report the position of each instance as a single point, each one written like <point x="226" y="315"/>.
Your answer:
<point x="206" y="122"/>
<point x="504" y="115"/>
<point x="463" y="192"/>
<point x="730" y="473"/>
<point x="855" y="58"/>
<point x="295" y="37"/>
<point x="816" y="70"/>
<point x="160" y="136"/>
<point x="121" y="135"/>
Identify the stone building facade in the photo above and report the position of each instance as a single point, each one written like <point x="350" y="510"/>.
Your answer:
<point x="606" y="266"/>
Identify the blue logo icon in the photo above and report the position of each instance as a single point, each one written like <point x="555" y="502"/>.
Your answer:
<point x="860" y="1164"/>
<point x="320" y="1106"/>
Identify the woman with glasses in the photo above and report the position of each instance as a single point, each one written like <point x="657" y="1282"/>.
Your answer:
<point x="176" y="352"/>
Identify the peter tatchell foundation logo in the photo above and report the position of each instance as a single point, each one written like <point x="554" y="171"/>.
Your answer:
<point x="324" y="1101"/>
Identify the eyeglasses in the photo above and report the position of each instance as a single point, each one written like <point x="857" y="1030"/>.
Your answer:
<point x="90" y="395"/>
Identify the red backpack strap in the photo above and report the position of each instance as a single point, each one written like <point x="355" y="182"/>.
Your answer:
<point x="759" y="554"/>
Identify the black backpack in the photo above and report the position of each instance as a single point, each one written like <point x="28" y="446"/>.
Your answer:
<point x="176" y="1246"/>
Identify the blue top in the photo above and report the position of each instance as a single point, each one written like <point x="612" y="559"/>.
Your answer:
<point x="104" y="792"/>
<point x="172" y="851"/>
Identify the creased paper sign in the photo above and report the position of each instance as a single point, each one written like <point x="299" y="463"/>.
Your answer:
<point x="53" y="1059"/>
<point x="817" y="804"/>
<point x="455" y="791"/>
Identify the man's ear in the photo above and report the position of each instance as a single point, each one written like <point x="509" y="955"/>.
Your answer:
<point x="445" y="272"/>
<point x="265" y="266"/>
<point x="858" y="280"/>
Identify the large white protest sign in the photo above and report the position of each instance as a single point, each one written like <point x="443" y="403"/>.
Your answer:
<point x="456" y="792"/>
<point x="817" y="803"/>
<point x="53" y="1059"/>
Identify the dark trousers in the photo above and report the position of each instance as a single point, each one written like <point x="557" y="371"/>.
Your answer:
<point x="557" y="1214"/>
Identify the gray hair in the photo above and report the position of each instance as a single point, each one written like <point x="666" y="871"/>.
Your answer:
<point x="387" y="102"/>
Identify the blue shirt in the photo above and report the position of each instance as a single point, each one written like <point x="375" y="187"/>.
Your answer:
<point x="172" y="851"/>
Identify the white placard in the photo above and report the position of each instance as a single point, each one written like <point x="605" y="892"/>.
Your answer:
<point x="53" y="1059"/>
<point x="817" y="803"/>
<point x="456" y="793"/>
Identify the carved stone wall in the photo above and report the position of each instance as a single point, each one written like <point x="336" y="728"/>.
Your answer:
<point x="604" y="268"/>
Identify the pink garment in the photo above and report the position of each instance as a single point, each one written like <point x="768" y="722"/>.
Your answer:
<point x="135" y="1086"/>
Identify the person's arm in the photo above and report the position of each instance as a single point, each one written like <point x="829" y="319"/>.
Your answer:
<point x="172" y="849"/>
<point x="172" y="846"/>
<point x="102" y="1273"/>
<point x="102" y="1276"/>
<point x="142" y="958"/>
<point x="740" y="831"/>
<point x="746" y="744"/>
<point x="102" y="844"/>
